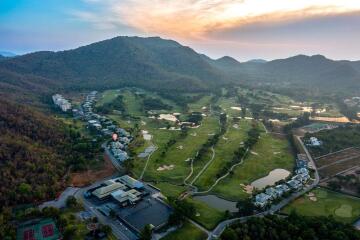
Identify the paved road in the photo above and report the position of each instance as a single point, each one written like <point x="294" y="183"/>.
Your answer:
<point x="118" y="230"/>
<point x="274" y="208"/>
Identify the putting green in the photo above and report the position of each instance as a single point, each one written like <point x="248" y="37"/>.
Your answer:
<point x="344" y="211"/>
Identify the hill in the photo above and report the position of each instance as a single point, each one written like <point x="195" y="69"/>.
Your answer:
<point x="152" y="63"/>
<point x="7" y="54"/>
<point x="309" y="72"/>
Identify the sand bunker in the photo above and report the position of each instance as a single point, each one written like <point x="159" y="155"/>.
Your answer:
<point x="236" y="126"/>
<point x="193" y="134"/>
<point x="168" y="117"/>
<point x="247" y="188"/>
<point x="165" y="167"/>
<point x="181" y="147"/>
<point x="225" y="138"/>
<point x="276" y="153"/>
<point x="313" y="199"/>
<point x="236" y="108"/>
<point x="146" y="135"/>
<point x="255" y="153"/>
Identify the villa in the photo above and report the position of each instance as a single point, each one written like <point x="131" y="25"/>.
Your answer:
<point x="262" y="199"/>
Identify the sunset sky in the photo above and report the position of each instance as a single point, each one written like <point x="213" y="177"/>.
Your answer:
<point x="244" y="29"/>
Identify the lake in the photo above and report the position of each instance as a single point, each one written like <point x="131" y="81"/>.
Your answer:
<point x="274" y="176"/>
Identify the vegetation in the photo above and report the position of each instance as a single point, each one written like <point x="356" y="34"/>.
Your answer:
<point x="186" y="231"/>
<point x="116" y="104"/>
<point x="292" y="227"/>
<point x="336" y="139"/>
<point x="326" y="203"/>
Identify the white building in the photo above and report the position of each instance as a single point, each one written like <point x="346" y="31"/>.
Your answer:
<point x="60" y="101"/>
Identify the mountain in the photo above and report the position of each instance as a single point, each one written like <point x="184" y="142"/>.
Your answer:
<point x="31" y="160"/>
<point x="257" y="61"/>
<point x="7" y="54"/>
<point x="152" y="63"/>
<point x="309" y="72"/>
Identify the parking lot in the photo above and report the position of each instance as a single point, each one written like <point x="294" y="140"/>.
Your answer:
<point x="130" y="220"/>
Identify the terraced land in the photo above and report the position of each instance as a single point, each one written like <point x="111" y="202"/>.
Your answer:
<point x="336" y="163"/>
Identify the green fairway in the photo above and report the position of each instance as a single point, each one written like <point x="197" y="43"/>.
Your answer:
<point x="207" y="216"/>
<point x="268" y="154"/>
<point x="107" y="97"/>
<point x="342" y="207"/>
<point x="187" y="231"/>
<point x="224" y="152"/>
<point x="198" y="105"/>
<point x="178" y="154"/>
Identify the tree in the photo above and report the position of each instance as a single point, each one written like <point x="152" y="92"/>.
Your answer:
<point x="24" y="188"/>
<point x="146" y="233"/>
<point x="245" y="207"/>
<point x="71" y="202"/>
<point x="229" y="234"/>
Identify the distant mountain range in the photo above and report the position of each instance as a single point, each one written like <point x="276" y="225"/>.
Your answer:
<point x="7" y="54"/>
<point x="159" y="64"/>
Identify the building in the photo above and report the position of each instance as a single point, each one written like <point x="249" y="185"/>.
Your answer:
<point x="281" y="189"/>
<point x="315" y="142"/>
<point x="272" y="193"/>
<point x="105" y="191"/>
<point x="60" y="101"/>
<point x="39" y="229"/>
<point x="294" y="184"/>
<point x="262" y="199"/>
<point x="131" y="182"/>
<point x="124" y="198"/>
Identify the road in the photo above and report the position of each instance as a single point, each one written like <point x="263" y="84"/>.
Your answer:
<point x="114" y="224"/>
<point x="274" y="208"/>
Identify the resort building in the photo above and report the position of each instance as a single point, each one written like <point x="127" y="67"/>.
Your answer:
<point x="106" y="191"/>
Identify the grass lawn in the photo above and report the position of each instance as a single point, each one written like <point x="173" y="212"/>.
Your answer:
<point x="107" y="97"/>
<point x="198" y="105"/>
<point x="187" y="231"/>
<point x="207" y="216"/>
<point x="268" y="154"/>
<point x="342" y="207"/>
<point x="170" y="190"/>
<point x="176" y="155"/>
<point x="224" y="152"/>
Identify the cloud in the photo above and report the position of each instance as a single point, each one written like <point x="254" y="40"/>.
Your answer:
<point x="197" y="18"/>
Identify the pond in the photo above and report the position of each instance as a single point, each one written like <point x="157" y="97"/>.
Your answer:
<point x="218" y="203"/>
<point x="274" y="176"/>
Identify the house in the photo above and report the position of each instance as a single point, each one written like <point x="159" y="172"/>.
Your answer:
<point x="262" y="199"/>
<point x="294" y="184"/>
<point x="272" y="193"/>
<point x="285" y="188"/>
<point x="302" y="171"/>
<point x="301" y="163"/>
<point x="315" y="142"/>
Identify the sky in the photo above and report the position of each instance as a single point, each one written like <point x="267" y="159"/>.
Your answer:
<point x="244" y="29"/>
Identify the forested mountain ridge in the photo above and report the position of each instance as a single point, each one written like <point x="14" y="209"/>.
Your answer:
<point x="152" y="63"/>
<point x="35" y="152"/>
<point x="299" y="71"/>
